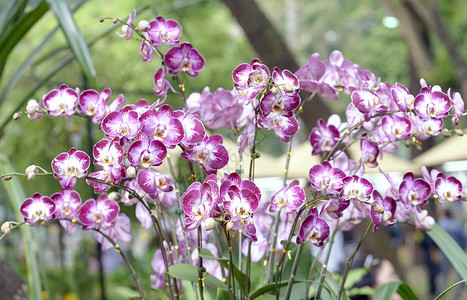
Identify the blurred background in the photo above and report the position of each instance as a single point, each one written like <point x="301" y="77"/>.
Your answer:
<point x="399" y="41"/>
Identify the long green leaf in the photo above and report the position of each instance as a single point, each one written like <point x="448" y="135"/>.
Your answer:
<point x="387" y="290"/>
<point x="190" y="273"/>
<point x="239" y="275"/>
<point x="17" y="196"/>
<point x="449" y="288"/>
<point x="24" y="66"/>
<point x="15" y="32"/>
<point x="269" y="288"/>
<point x="11" y="13"/>
<point x="75" y="39"/>
<point x="450" y="248"/>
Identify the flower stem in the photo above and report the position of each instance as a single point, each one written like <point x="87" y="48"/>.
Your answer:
<point x="294" y="271"/>
<point x="200" y="265"/>
<point x="231" y="278"/>
<point x="324" y="268"/>
<point x="351" y="259"/>
<point x="134" y="276"/>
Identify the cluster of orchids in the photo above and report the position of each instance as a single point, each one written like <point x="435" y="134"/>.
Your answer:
<point x="218" y="207"/>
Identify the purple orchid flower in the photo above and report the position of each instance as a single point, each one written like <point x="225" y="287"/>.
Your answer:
<point x="356" y="188"/>
<point x="219" y="109"/>
<point x="432" y="104"/>
<point x="127" y="32"/>
<point x="240" y="199"/>
<point x="109" y="156"/>
<point x="313" y="227"/>
<point x="118" y="230"/>
<point x="95" y="213"/>
<point x="370" y="152"/>
<point x="161" y="85"/>
<point x="457" y="106"/>
<point x="184" y="58"/>
<point x="396" y="128"/>
<point x="91" y="103"/>
<point x="151" y="182"/>
<point x="289" y="198"/>
<point x="368" y="103"/>
<point x="323" y="137"/>
<point x="61" y="102"/>
<point x="285" y="81"/>
<point x="210" y="153"/>
<point x="284" y="126"/>
<point x="402" y="97"/>
<point x="146" y="153"/>
<point x="383" y="211"/>
<point x="164" y="31"/>
<point x="102" y="175"/>
<point x="38" y="208"/>
<point x="314" y="78"/>
<point x="250" y="79"/>
<point x="324" y="177"/>
<point x="449" y="188"/>
<point x="197" y="203"/>
<point x="161" y="124"/>
<point x="146" y="51"/>
<point x="414" y="191"/>
<point x="68" y="166"/>
<point x="281" y="103"/>
<point x="192" y="127"/>
<point x="68" y="204"/>
<point x="122" y="123"/>
<point x="422" y="220"/>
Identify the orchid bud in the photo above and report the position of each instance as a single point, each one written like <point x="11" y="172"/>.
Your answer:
<point x="209" y="224"/>
<point x="16" y="116"/>
<point x="115" y="20"/>
<point x="6" y="227"/>
<point x="31" y="172"/>
<point x="459" y="132"/>
<point x="114" y="196"/>
<point x="131" y="172"/>
<point x="8" y="177"/>
<point x="446" y="132"/>
<point x="229" y="226"/>
<point x="101" y="20"/>
<point x="143" y="26"/>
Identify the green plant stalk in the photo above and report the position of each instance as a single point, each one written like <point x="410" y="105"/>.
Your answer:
<point x="351" y="259"/>
<point x="312" y="271"/>
<point x="248" y="271"/>
<point x="231" y="285"/>
<point x="449" y="288"/>
<point x="324" y="268"/>
<point x="134" y="275"/>
<point x="200" y="265"/>
<point x="292" y="274"/>
<point x="16" y="196"/>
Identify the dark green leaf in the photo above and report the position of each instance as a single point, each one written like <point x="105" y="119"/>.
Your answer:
<point x="450" y="248"/>
<point x="75" y="39"/>
<point x="450" y="288"/>
<point x="385" y="291"/>
<point x="13" y="33"/>
<point x="239" y="275"/>
<point x="223" y="294"/>
<point x="268" y="288"/>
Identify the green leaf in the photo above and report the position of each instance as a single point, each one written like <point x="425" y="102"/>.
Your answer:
<point x="450" y="248"/>
<point x="75" y="39"/>
<point x="223" y="294"/>
<point x="12" y="12"/>
<point x="14" y="32"/>
<point x="269" y="288"/>
<point x="239" y="275"/>
<point x="17" y="196"/>
<point x="161" y="295"/>
<point x="450" y="288"/>
<point x="385" y="291"/>
<point x="190" y="273"/>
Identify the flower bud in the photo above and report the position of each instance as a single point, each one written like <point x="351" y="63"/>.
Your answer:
<point x="446" y="132"/>
<point x="101" y="20"/>
<point x="16" y="116"/>
<point x="31" y="172"/>
<point x="209" y="224"/>
<point x="143" y="26"/>
<point x="115" y="20"/>
<point x="114" y="196"/>
<point x="6" y="227"/>
<point x="8" y="177"/>
<point x="131" y="172"/>
<point x="229" y="226"/>
<point x="459" y="132"/>
<point x="378" y="208"/>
